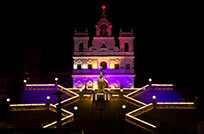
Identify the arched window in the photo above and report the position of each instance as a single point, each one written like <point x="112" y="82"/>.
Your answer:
<point x="79" y="66"/>
<point x="81" y="47"/>
<point x="126" y="47"/>
<point x="103" y="32"/>
<point x="104" y="65"/>
<point x="103" y="45"/>
<point x="78" y="84"/>
<point x="89" y="66"/>
<point x="116" y="66"/>
<point x="89" y="84"/>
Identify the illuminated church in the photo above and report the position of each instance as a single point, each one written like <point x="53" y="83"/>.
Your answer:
<point x="77" y="108"/>
<point x="117" y="61"/>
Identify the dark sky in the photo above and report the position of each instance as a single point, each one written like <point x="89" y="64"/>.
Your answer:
<point x="166" y="48"/>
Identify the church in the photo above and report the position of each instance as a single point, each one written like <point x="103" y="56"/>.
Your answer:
<point x="117" y="61"/>
<point x="103" y="97"/>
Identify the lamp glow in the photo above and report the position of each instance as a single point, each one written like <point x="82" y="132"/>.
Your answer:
<point x="48" y="97"/>
<point x="123" y="106"/>
<point x="56" y="79"/>
<point x="121" y="90"/>
<point x="24" y="81"/>
<point x="75" y="108"/>
<point x="154" y="97"/>
<point x="150" y="80"/>
<point x="8" y="99"/>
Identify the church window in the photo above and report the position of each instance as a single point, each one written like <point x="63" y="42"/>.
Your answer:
<point x="103" y="32"/>
<point x="79" y="66"/>
<point x="104" y="65"/>
<point x="89" y="66"/>
<point x="103" y="45"/>
<point x="78" y="84"/>
<point x="116" y="66"/>
<point x="81" y="47"/>
<point x="126" y="47"/>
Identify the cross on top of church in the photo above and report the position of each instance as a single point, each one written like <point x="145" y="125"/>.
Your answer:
<point x="103" y="8"/>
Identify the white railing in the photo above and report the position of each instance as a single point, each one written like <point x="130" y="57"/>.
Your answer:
<point x="175" y="105"/>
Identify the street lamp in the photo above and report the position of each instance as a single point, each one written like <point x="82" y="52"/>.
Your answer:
<point x="56" y="79"/>
<point x="75" y="108"/>
<point x="59" y="106"/>
<point x="154" y="100"/>
<point x="75" y="112"/>
<point x="154" y="97"/>
<point x="48" y="97"/>
<point x="80" y="89"/>
<point x="123" y="106"/>
<point x="123" y="111"/>
<point x="150" y="82"/>
<point x="8" y="100"/>
<point x="48" y="100"/>
<point x="121" y="94"/>
<point x="25" y="81"/>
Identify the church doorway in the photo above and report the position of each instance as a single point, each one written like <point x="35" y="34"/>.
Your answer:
<point x="104" y="65"/>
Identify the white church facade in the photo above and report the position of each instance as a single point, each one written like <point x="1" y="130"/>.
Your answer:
<point x="117" y="61"/>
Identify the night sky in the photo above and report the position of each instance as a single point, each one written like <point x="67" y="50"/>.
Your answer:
<point x="38" y="37"/>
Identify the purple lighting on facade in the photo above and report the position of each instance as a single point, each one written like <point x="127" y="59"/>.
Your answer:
<point x="112" y="80"/>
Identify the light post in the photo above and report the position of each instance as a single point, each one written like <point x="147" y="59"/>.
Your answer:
<point x="59" y="106"/>
<point x="123" y="116"/>
<point x="48" y="101"/>
<point x="24" y="84"/>
<point x="8" y="101"/>
<point x="25" y="81"/>
<point x="56" y="81"/>
<point x="150" y="81"/>
<point x="121" y="91"/>
<point x="123" y="111"/>
<point x="81" y="93"/>
<point x="75" y="112"/>
<point x="154" y="100"/>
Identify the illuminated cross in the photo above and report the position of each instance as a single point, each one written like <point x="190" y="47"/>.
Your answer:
<point x="104" y="8"/>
